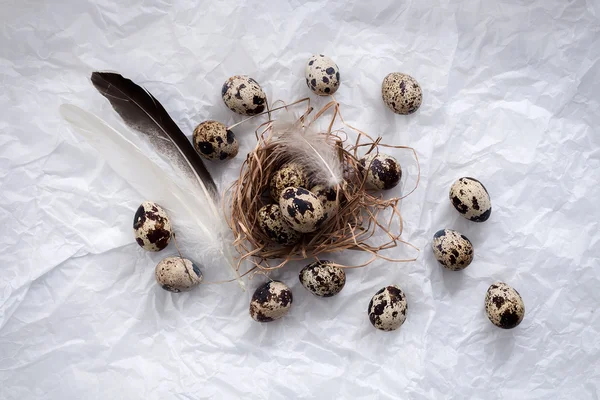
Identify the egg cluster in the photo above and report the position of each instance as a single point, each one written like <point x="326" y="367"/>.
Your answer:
<point x="153" y="231"/>
<point x="300" y="207"/>
<point x="304" y="212"/>
<point x="296" y="214"/>
<point x="243" y="95"/>
<point x="454" y="251"/>
<point x="297" y="206"/>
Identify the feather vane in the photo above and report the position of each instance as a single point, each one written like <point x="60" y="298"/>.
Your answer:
<point x="142" y="112"/>
<point x="317" y="152"/>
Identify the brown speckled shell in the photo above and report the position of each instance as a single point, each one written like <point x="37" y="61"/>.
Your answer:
<point x="273" y="224"/>
<point x="504" y="306"/>
<point x="452" y="249"/>
<point x="151" y="227"/>
<point x="322" y="75"/>
<point x="401" y="93"/>
<point x="289" y="175"/>
<point x="387" y="309"/>
<point x="383" y="172"/>
<point x="213" y="141"/>
<point x="302" y="209"/>
<point x="471" y="199"/>
<point x="270" y="301"/>
<point x="177" y="274"/>
<point x="323" y="279"/>
<point x="328" y="198"/>
<point x="243" y="95"/>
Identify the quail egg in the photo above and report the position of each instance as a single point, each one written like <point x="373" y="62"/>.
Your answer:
<point x="243" y="95"/>
<point x="322" y="278"/>
<point x="328" y="197"/>
<point x="322" y="75"/>
<point x="401" y="93"/>
<point x="177" y="274"/>
<point x="213" y="141"/>
<point x="151" y="227"/>
<point x="270" y="301"/>
<point x="302" y="209"/>
<point x="452" y="249"/>
<point x="387" y="309"/>
<point x="383" y="171"/>
<point x="290" y="174"/>
<point x="504" y="306"/>
<point x="273" y="224"/>
<point x="471" y="199"/>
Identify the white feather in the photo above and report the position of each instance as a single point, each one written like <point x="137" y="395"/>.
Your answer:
<point x="315" y="151"/>
<point x="190" y="208"/>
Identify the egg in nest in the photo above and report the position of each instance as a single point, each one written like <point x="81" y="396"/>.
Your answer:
<point x="383" y="171"/>
<point x="452" y="249"/>
<point x="152" y="227"/>
<point x="270" y="301"/>
<point x="176" y="274"/>
<point x="328" y="197"/>
<point x="302" y="209"/>
<point x="289" y="175"/>
<point x="272" y="223"/>
<point x="471" y="199"/>
<point x="213" y="141"/>
<point x="322" y="278"/>
<point x="243" y="95"/>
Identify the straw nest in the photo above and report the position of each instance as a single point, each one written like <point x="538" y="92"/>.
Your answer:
<point x="360" y="215"/>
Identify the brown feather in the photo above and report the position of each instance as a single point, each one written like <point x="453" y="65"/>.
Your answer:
<point x="144" y="113"/>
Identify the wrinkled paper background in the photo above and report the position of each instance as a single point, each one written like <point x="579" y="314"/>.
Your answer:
<point x="511" y="96"/>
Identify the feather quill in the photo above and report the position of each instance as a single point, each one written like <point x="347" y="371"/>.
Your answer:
<point x="118" y="148"/>
<point x="316" y="152"/>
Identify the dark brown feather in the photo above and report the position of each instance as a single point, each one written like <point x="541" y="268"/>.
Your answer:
<point x="144" y="113"/>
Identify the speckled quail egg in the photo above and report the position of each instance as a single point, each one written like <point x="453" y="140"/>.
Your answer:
<point x="328" y="197"/>
<point x="471" y="199"/>
<point x="152" y="227"/>
<point x="243" y="95"/>
<point x="273" y="224"/>
<point x="401" y="93"/>
<point x="322" y="75"/>
<point x="302" y="209"/>
<point x="177" y="274"/>
<point x="504" y="306"/>
<point x="213" y="141"/>
<point x="383" y="171"/>
<point x="452" y="249"/>
<point x="387" y="309"/>
<point x="270" y="301"/>
<point x="322" y="278"/>
<point x="291" y="174"/>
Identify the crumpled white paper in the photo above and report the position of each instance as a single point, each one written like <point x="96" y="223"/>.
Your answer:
<point x="510" y="97"/>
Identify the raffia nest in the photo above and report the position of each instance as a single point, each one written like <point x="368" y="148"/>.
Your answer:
<point x="358" y="218"/>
